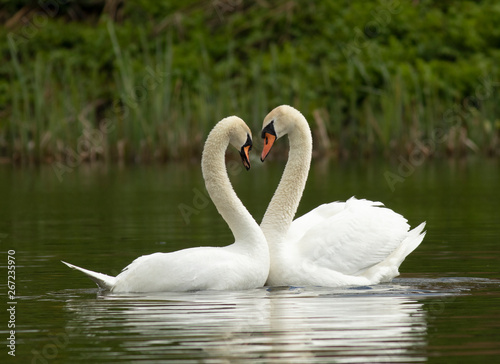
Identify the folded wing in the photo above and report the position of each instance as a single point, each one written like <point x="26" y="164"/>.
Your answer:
<point x="352" y="237"/>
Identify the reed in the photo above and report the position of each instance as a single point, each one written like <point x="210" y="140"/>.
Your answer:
<point x="130" y="92"/>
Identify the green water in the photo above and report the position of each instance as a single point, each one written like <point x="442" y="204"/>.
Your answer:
<point x="443" y="307"/>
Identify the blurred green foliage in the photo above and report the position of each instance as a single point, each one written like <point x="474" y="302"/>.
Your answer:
<point x="144" y="80"/>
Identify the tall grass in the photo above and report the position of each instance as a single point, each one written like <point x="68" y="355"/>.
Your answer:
<point x="156" y="97"/>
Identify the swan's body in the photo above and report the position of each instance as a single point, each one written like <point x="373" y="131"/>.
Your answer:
<point x="358" y="242"/>
<point x="241" y="265"/>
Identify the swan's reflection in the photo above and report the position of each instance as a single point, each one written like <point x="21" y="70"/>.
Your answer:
<point x="269" y="325"/>
<point x="349" y="327"/>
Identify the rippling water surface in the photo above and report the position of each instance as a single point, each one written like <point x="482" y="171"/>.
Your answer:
<point x="443" y="307"/>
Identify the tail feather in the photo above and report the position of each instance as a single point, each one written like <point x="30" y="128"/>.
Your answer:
<point x="409" y="244"/>
<point x="103" y="280"/>
<point x="387" y="269"/>
<point x="413" y="240"/>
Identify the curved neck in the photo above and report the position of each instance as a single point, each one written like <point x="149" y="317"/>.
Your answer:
<point x="232" y="210"/>
<point x="283" y="206"/>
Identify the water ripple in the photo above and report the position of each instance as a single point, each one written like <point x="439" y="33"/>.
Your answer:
<point x="384" y="323"/>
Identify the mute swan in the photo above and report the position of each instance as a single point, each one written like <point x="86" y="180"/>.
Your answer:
<point x="241" y="265"/>
<point x="357" y="242"/>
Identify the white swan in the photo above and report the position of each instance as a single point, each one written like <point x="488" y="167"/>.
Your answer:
<point x="357" y="242"/>
<point x="241" y="265"/>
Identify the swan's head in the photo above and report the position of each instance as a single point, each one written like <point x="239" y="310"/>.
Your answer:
<point x="279" y="122"/>
<point x="240" y="137"/>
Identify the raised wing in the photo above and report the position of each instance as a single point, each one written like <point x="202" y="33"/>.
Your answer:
<point x="348" y="237"/>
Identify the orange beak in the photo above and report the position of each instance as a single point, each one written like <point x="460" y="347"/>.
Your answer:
<point x="245" y="149"/>
<point x="244" y="156"/>
<point x="269" y="140"/>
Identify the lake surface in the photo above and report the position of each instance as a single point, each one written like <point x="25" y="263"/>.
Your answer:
<point x="444" y="307"/>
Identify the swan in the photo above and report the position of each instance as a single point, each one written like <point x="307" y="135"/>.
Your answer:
<point x="241" y="265"/>
<point x="357" y="242"/>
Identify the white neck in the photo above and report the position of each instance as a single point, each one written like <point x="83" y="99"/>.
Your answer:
<point x="239" y="220"/>
<point x="283" y="206"/>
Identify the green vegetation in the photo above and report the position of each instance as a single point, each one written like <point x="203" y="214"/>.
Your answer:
<point x="146" y="80"/>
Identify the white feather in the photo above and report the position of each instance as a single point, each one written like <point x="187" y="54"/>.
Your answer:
<point x="241" y="265"/>
<point x="358" y="242"/>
